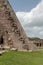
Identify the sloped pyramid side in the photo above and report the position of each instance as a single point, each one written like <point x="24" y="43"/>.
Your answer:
<point x="14" y="33"/>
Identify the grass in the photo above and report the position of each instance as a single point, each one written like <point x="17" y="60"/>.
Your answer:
<point x="21" y="58"/>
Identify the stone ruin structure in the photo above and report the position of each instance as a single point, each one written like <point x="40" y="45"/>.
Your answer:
<point x="12" y="34"/>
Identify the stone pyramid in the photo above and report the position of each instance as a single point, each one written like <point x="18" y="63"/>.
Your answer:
<point x="12" y="34"/>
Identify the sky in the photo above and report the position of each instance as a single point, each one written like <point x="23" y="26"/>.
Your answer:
<point x="30" y="15"/>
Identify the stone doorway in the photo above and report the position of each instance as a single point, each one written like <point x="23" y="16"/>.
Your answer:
<point x="1" y="40"/>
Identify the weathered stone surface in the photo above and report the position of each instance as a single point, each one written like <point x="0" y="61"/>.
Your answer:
<point x="11" y="30"/>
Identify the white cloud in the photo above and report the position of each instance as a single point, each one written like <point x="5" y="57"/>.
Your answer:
<point x="41" y="33"/>
<point x="32" y="21"/>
